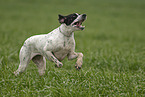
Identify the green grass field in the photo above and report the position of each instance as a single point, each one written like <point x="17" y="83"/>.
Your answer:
<point x="113" y="44"/>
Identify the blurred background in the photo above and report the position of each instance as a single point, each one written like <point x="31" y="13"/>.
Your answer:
<point x="119" y="20"/>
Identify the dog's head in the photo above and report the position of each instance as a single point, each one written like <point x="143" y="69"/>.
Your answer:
<point x="73" y="21"/>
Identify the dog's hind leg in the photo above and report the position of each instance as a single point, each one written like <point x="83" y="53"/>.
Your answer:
<point x="40" y="61"/>
<point x="25" y="57"/>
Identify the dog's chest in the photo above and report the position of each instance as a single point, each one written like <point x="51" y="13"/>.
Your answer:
<point x="67" y="44"/>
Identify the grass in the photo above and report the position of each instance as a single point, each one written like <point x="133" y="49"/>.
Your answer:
<point x="113" y="45"/>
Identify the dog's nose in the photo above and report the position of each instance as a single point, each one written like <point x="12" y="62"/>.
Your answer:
<point x="84" y="16"/>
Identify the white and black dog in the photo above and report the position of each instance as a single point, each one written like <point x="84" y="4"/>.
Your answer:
<point x="54" y="46"/>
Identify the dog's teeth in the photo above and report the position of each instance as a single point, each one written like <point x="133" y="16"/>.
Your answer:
<point x="82" y="26"/>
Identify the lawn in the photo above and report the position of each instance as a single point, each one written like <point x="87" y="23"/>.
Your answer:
<point x="113" y="44"/>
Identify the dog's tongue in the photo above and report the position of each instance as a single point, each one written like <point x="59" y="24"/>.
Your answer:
<point x="79" y="23"/>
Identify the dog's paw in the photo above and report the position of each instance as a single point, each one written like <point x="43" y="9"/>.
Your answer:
<point x="59" y="65"/>
<point x="42" y="73"/>
<point x="15" y="73"/>
<point x="77" y="67"/>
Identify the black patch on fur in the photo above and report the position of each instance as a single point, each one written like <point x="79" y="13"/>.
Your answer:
<point x="68" y="19"/>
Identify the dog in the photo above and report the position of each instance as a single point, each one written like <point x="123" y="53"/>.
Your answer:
<point x="54" y="46"/>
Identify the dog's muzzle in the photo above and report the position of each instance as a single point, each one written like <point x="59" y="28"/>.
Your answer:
<point x="78" y="24"/>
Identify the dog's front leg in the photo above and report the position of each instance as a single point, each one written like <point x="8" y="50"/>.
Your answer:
<point x="50" y="56"/>
<point x="79" y="57"/>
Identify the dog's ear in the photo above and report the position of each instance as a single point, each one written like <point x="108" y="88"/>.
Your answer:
<point x="61" y="18"/>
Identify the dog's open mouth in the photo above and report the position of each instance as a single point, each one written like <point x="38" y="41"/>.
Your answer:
<point x="78" y="24"/>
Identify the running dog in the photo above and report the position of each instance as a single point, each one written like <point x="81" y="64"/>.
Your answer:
<point x="54" y="46"/>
